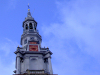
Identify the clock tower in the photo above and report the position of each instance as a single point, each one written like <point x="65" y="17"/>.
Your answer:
<point x="31" y="58"/>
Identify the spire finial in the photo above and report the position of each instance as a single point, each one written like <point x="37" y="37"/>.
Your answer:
<point x="28" y="7"/>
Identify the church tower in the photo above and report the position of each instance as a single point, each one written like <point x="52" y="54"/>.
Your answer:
<point x="31" y="58"/>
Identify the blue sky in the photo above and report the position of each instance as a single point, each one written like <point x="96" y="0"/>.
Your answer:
<point x="70" y="28"/>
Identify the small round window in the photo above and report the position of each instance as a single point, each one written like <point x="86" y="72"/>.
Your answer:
<point x="32" y="38"/>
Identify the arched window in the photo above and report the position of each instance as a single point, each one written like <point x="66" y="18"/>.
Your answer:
<point x="35" y="28"/>
<point x="26" y="26"/>
<point x="30" y="25"/>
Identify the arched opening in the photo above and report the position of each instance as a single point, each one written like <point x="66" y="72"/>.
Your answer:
<point x="26" y="26"/>
<point x="30" y="25"/>
<point x="35" y="28"/>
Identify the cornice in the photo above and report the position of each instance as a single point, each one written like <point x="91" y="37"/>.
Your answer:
<point x="29" y="19"/>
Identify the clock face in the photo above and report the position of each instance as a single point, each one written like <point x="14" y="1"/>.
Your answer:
<point x="33" y="47"/>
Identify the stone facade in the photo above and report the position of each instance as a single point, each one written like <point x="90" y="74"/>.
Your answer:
<point x="33" y="58"/>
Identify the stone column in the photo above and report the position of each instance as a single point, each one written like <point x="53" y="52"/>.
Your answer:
<point x="47" y="67"/>
<point x="18" y="65"/>
<point x="50" y="65"/>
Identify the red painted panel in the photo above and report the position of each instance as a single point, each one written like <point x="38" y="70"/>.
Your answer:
<point x="33" y="47"/>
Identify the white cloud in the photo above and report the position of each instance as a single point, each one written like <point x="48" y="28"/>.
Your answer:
<point x="8" y="46"/>
<point x="7" y="56"/>
<point x="75" y="41"/>
<point x="7" y="69"/>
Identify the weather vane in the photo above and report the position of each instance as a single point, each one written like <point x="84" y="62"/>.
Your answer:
<point x="28" y="7"/>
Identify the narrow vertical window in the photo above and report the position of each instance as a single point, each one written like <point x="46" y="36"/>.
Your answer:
<point x="30" y="25"/>
<point x="34" y="26"/>
<point x="26" y="26"/>
<point x="25" y="41"/>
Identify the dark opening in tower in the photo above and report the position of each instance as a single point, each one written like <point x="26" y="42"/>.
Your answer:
<point x="26" y="26"/>
<point x="30" y="25"/>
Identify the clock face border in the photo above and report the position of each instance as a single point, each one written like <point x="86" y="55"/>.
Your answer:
<point x="32" y="42"/>
<point x="33" y="48"/>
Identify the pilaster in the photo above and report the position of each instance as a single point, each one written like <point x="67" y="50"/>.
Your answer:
<point x="18" y="65"/>
<point x="50" y="65"/>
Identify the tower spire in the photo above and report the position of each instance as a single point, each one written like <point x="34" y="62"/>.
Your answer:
<point x="28" y="7"/>
<point x="29" y="14"/>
